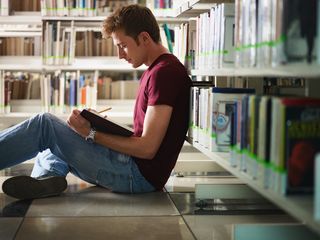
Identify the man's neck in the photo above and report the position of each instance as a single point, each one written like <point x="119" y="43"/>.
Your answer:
<point x="154" y="52"/>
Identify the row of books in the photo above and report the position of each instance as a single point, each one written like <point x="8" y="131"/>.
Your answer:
<point x="62" y="42"/>
<point x="64" y="91"/>
<point x="207" y="40"/>
<point x="271" y="33"/>
<point x="59" y="49"/>
<point x="250" y="34"/>
<point x="58" y="43"/>
<point x="18" y="85"/>
<point x="116" y="89"/>
<point x="90" y="43"/>
<point x="9" y="6"/>
<point x="20" y="46"/>
<point x="87" y="8"/>
<point x="274" y="140"/>
<point x="21" y="85"/>
<point x="61" y="91"/>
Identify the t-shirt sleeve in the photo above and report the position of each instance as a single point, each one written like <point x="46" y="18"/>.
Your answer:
<point x="163" y="87"/>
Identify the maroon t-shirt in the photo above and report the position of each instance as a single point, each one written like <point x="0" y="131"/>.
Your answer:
<point x="165" y="82"/>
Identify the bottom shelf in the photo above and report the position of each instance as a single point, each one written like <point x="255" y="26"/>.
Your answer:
<point x="299" y="206"/>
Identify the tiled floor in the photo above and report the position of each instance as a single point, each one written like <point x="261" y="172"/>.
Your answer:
<point x="85" y="211"/>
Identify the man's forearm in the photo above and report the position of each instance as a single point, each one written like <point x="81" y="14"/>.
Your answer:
<point x="134" y="146"/>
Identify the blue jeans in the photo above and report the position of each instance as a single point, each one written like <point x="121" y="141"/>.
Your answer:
<point x="60" y="150"/>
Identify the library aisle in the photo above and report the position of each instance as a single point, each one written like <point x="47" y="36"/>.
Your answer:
<point x="85" y="211"/>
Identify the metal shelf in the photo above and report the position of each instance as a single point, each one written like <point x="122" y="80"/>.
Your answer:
<point x="193" y="8"/>
<point x="290" y="70"/>
<point x="299" y="206"/>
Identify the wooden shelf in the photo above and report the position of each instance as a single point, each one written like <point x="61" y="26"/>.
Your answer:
<point x="34" y="19"/>
<point x="21" y="63"/>
<point x="122" y="111"/>
<point x="290" y="70"/>
<point x="20" y="34"/>
<point x="34" y="63"/>
<point x="96" y="63"/>
<point x="70" y="18"/>
<point x="299" y="206"/>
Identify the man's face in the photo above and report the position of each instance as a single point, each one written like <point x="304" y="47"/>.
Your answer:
<point x="128" y="48"/>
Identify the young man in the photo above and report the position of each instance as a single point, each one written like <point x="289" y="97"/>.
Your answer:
<point x="141" y="163"/>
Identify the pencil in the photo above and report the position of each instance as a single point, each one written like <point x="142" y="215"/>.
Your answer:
<point x="104" y="110"/>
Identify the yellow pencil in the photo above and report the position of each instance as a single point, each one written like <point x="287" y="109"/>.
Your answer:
<point x="104" y="110"/>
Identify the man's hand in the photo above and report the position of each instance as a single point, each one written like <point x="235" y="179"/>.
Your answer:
<point x="78" y="123"/>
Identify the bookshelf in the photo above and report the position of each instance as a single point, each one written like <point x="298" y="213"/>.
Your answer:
<point x="30" y="24"/>
<point x="299" y="206"/>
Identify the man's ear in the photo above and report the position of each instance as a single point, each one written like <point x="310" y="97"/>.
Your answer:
<point x="145" y="37"/>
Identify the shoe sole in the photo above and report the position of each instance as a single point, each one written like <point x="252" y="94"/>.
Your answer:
<point x="25" y="187"/>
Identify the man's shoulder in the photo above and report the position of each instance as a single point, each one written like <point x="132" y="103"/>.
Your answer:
<point x="169" y="63"/>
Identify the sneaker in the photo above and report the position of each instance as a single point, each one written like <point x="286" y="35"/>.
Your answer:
<point x="25" y="187"/>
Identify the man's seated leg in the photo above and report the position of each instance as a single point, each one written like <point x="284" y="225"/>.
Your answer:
<point x="47" y="179"/>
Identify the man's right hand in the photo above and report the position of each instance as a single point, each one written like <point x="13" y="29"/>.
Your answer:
<point x="78" y="123"/>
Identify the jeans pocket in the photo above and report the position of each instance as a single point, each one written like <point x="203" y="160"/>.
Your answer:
<point x="115" y="182"/>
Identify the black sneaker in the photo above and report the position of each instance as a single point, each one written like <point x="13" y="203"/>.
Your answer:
<point x="25" y="187"/>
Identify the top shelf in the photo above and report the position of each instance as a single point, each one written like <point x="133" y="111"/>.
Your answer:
<point x="194" y="8"/>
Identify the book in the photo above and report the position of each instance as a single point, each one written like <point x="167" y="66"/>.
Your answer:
<point x="105" y="125"/>
<point x="302" y="121"/>
<point x="219" y="120"/>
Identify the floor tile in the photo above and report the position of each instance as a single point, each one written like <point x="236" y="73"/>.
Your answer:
<point x="187" y="184"/>
<point x="187" y="204"/>
<point x="11" y="207"/>
<point x="220" y="227"/>
<point x="187" y="147"/>
<point x="96" y="201"/>
<point x="9" y="227"/>
<point x="94" y="228"/>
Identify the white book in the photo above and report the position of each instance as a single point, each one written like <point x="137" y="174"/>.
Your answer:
<point x="217" y="37"/>
<point x="50" y="45"/>
<point x="43" y="7"/>
<point x="60" y="8"/>
<point x="227" y="35"/>
<point x="211" y="37"/>
<point x="72" y="44"/>
<point x="57" y="43"/>
<point x="277" y="50"/>
<point x="253" y="32"/>
<point x="264" y="131"/>
<point x="46" y="44"/>
<point x="4" y="8"/>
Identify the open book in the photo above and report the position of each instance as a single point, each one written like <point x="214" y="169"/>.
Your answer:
<point x="105" y="125"/>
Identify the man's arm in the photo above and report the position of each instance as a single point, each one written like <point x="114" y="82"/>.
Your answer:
<point x="155" y="125"/>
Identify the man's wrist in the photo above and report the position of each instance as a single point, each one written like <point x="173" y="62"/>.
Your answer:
<point x="91" y="135"/>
